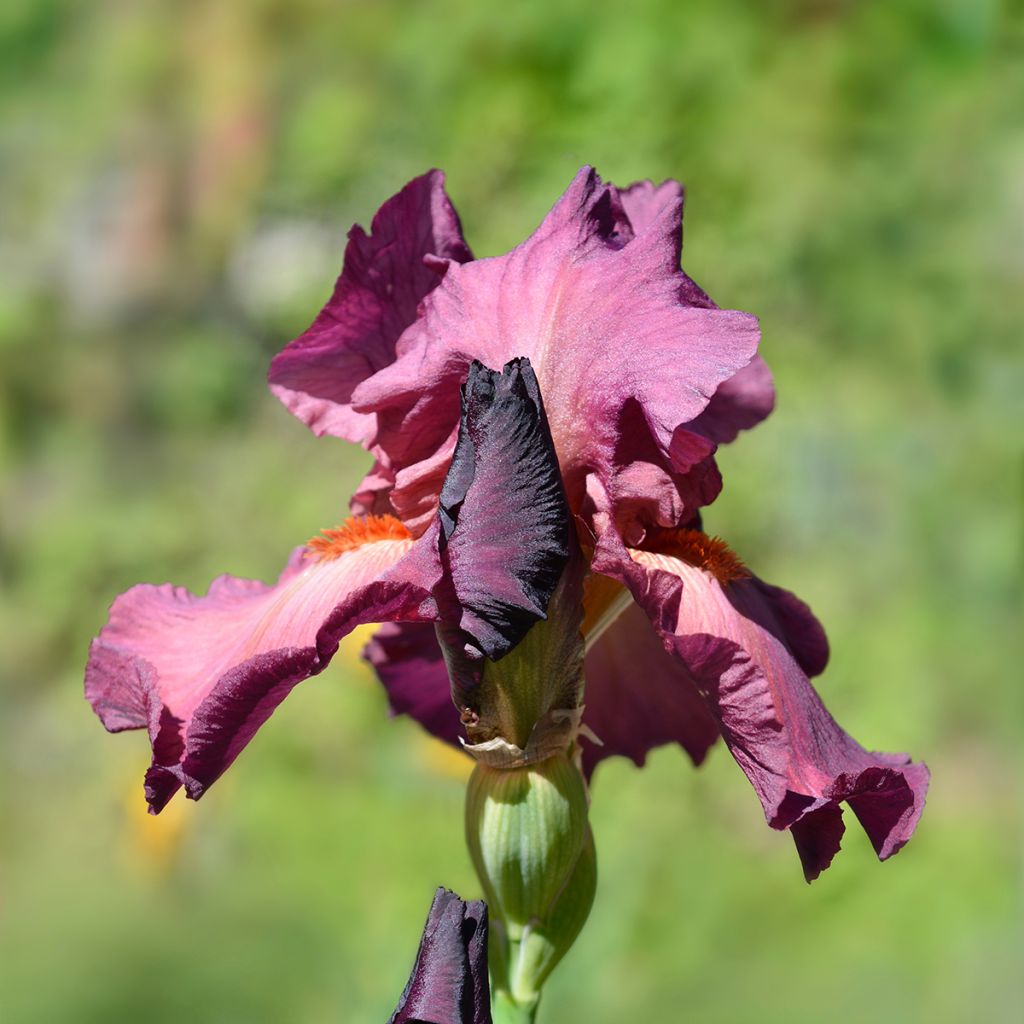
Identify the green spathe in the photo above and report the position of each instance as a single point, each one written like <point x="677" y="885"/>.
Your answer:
<point x="527" y="833"/>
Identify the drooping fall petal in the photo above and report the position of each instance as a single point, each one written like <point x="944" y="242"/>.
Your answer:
<point x="639" y="696"/>
<point x="800" y="763"/>
<point x="383" y="281"/>
<point x="202" y="674"/>
<point x="408" y="661"/>
<point x="449" y="983"/>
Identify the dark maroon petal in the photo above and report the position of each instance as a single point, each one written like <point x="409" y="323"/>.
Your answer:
<point x="504" y="522"/>
<point x="408" y="660"/>
<point x="449" y="983"/>
<point x="799" y="761"/>
<point x="639" y="697"/>
<point x="202" y="674"/>
<point x="385" y="277"/>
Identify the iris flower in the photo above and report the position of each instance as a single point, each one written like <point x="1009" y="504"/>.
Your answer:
<point x="642" y="376"/>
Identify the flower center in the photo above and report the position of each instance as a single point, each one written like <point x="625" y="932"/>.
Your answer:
<point x="695" y="548"/>
<point x="353" y="533"/>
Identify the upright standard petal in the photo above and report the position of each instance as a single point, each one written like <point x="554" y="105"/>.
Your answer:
<point x="724" y="630"/>
<point x="746" y="398"/>
<point x="386" y="275"/>
<point x="600" y="313"/>
<point x="449" y="983"/>
<point x="202" y="674"/>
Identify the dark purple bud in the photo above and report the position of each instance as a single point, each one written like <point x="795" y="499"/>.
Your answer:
<point x="505" y="525"/>
<point x="448" y="984"/>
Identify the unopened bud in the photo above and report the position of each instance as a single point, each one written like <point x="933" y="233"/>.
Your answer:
<point x="528" y="836"/>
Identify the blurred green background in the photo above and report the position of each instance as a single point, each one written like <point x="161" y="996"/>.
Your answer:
<point x="177" y="180"/>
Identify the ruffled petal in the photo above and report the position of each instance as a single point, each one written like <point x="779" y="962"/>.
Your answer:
<point x="449" y="983"/>
<point x="202" y="674"/>
<point x="601" y="317"/>
<point x="385" y="277"/>
<point x="740" y="403"/>
<point x="638" y="696"/>
<point x="746" y="398"/>
<point x="800" y="763"/>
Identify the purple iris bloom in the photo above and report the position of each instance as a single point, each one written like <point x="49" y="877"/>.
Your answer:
<point x="463" y="519"/>
<point x="642" y="377"/>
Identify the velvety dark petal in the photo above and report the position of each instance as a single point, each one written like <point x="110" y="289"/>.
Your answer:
<point x="409" y="662"/>
<point x="638" y="696"/>
<point x="202" y="674"/>
<point x="449" y="983"/>
<point x="386" y="275"/>
<point x="504" y="522"/>
<point x="800" y="763"/>
<point x="599" y="310"/>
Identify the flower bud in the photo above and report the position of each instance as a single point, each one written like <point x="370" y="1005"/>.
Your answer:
<point x="531" y="846"/>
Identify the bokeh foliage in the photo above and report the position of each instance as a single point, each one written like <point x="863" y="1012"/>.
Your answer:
<point x="176" y="181"/>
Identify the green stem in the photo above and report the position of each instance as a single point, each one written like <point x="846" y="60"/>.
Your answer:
<point x="505" y="1010"/>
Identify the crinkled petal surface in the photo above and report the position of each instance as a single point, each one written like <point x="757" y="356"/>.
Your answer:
<point x="202" y="674"/>
<point x="449" y="983"/>
<point x="386" y="275"/>
<point x="800" y="763"/>
<point x="599" y="309"/>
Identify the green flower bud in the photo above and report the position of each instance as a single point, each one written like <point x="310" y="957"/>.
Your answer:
<point x="531" y="846"/>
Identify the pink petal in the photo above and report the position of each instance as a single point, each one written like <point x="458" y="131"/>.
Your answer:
<point x="746" y="398"/>
<point x="202" y="674"/>
<point x="800" y="763"/>
<point x="740" y="403"/>
<point x="601" y="318"/>
<point x="385" y="277"/>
